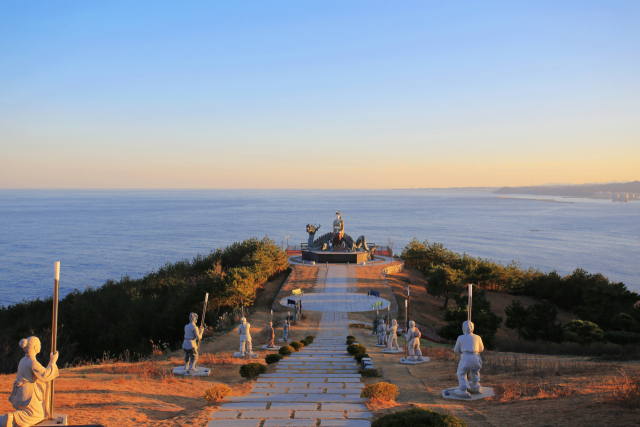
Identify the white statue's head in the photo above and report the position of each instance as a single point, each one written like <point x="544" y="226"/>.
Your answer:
<point x="338" y="215"/>
<point x="382" y="321"/>
<point x="31" y="345"/>
<point x="243" y="320"/>
<point x="412" y="324"/>
<point x="193" y="318"/>
<point x="394" y="322"/>
<point x="467" y="327"/>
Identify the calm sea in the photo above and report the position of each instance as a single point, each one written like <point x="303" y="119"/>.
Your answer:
<point x="101" y="235"/>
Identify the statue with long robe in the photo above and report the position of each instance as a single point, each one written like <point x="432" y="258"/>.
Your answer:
<point x="392" y="340"/>
<point x="338" y="230"/>
<point x="271" y="336"/>
<point x="245" y="337"/>
<point x="190" y="344"/>
<point x="31" y="390"/>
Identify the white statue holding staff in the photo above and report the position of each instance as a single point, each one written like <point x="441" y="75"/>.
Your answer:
<point x="382" y="333"/>
<point x="468" y="347"/>
<point x="31" y="392"/>
<point x="245" y="337"/>
<point x="393" y="336"/>
<point x="413" y="342"/>
<point x="192" y="334"/>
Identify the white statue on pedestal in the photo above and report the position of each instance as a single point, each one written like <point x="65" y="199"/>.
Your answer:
<point x="190" y="345"/>
<point x="393" y="335"/>
<point x="31" y="394"/>
<point x="245" y="337"/>
<point x="468" y="347"/>
<point x="285" y="329"/>
<point x="413" y="342"/>
<point x="382" y="333"/>
<point x="271" y="335"/>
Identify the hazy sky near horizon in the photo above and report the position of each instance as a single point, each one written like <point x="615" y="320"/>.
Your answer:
<point x="333" y="94"/>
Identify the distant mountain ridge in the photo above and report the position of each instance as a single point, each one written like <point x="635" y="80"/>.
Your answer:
<point x="582" y="190"/>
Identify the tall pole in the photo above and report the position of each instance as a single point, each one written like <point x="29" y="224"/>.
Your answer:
<point x="469" y="303"/>
<point x="54" y="328"/>
<point x="204" y="311"/>
<point x="406" y="323"/>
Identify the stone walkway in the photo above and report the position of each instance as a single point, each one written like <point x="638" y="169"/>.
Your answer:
<point x="316" y="386"/>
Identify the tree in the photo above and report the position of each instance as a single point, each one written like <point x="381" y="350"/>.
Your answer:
<point x="516" y="316"/>
<point x="582" y="331"/>
<point x="415" y="254"/>
<point x="443" y="281"/>
<point x="541" y="323"/>
<point x="485" y="321"/>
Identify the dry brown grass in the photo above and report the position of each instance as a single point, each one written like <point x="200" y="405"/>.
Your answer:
<point x="531" y="365"/>
<point x="511" y="391"/>
<point x="439" y="353"/>
<point x="626" y="391"/>
<point x="210" y="359"/>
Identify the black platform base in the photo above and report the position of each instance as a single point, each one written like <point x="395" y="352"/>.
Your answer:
<point x="322" y="257"/>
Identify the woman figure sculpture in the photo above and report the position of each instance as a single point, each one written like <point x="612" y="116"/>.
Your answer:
<point x="31" y="393"/>
<point x="393" y="336"/>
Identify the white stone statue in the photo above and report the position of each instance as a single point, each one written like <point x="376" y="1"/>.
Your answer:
<point x="468" y="347"/>
<point x="285" y="329"/>
<point x="393" y="335"/>
<point x="382" y="335"/>
<point x="245" y="337"/>
<point x="31" y="392"/>
<point x="190" y="345"/>
<point x="413" y="342"/>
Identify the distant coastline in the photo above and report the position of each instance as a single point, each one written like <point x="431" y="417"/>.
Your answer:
<point x="624" y="191"/>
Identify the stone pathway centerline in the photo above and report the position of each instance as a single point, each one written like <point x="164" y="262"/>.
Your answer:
<point x="314" y="387"/>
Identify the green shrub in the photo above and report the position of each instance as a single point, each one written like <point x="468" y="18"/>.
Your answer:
<point x="297" y="345"/>
<point x="582" y="331"/>
<point x="249" y="370"/>
<point x="310" y="338"/>
<point x="351" y="337"/>
<point x="369" y="373"/>
<point x="380" y="391"/>
<point x="359" y="356"/>
<point x="217" y="393"/>
<point x="286" y="350"/>
<point x="349" y="342"/>
<point x="620" y="337"/>
<point x="356" y="348"/>
<point x="418" y="417"/>
<point x="273" y="358"/>
<point x="305" y="342"/>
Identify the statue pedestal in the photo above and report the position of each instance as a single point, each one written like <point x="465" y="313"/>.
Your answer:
<point x="283" y="340"/>
<point x="246" y="355"/>
<point x="393" y="351"/>
<point x="57" y="420"/>
<point x="379" y="345"/>
<point x="414" y="362"/>
<point x="202" y="372"/>
<point x="448" y="393"/>
<point x="274" y="348"/>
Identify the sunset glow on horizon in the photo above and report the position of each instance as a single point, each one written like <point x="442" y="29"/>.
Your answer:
<point x="319" y="95"/>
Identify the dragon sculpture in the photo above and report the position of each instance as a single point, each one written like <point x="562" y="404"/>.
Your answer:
<point x="360" y="244"/>
<point x="322" y="243"/>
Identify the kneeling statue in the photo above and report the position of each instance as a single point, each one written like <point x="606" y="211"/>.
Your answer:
<point x="468" y="347"/>
<point x="31" y="393"/>
<point x="245" y="337"/>
<point x="190" y="345"/>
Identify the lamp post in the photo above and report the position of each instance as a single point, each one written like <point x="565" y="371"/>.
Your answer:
<point x="54" y="329"/>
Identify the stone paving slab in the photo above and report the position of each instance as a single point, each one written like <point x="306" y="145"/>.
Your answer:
<point x="225" y="414"/>
<point x="318" y="414"/>
<point x="266" y="414"/>
<point x="343" y="391"/>
<point x="359" y="414"/>
<point x="243" y="405"/>
<point x="343" y="407"/>
<point x="295" y="406"/>
<point x="234" y="423"/>
<point x="290" y="422"/>
<point x="346" y="423"/>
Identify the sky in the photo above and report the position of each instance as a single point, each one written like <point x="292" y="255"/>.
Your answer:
<point x="331" y="94"/>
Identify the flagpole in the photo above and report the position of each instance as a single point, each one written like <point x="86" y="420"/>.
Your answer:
<point x="470" y="302"/>
<point x="54" y="328"/>
<point x="204" y="311"/>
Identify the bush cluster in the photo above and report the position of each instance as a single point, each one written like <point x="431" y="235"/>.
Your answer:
<point x="273" y="358"/>
<point x="297" y="345"/>
<point x="249" y="370"/>
<point x="380" y="391"/>
<point x="217" y="393"/>
<point x="354" y="349"/>
<point x="349" y="342"/>
<point x="310" y="338"/>
<point x="286" y="350"/>
<point x="418" y="417"/>
<point x="305" y="342"/>
<point x="351" y="337"/>
<point x="359" y="356"/>
<point x="369" y="373"/>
